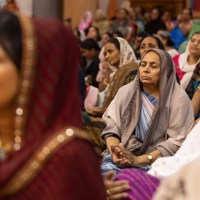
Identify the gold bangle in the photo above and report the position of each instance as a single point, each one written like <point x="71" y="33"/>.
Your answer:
<point x="198" y="88"/>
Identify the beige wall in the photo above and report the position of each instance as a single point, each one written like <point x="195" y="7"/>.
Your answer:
<point x="76" y="8"/>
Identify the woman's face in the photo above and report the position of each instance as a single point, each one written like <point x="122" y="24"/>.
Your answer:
<point x="9" y="79"/>
<point x="166" y="16"/>
<point x="150" y="69"/>
<point x="194" y="46"/>
<point x="148" y="43"/>
<point x="92" y="33"/>
<point x="112" y="54"/>
<point x="154" y="14"/>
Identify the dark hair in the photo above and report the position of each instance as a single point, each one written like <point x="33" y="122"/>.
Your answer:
<point x="190" y="12"/>
<point x="89" y="44"/>
<point x="160" y="44"/>
<point x="159" y="8"/>
<point x="11" y="36"/>
<point x="118" y="33"/>
<point x="115" y="42"/>
<point x="110" y="35"/>
<point x="143" y="35"/>
<point x="166" y="35"/>
<point x="96" y="29"/>
<point x="190" y="90"/>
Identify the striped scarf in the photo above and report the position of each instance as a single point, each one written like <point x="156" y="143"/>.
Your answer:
<point x="148" y="104"/>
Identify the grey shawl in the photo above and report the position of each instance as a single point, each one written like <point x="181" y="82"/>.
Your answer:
<point x="170" y="122"/>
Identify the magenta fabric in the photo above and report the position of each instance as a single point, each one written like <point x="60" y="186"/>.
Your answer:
<point x="142" y="184"/>
<point x="178" y="71"/>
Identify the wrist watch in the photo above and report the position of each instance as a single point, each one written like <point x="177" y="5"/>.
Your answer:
<point x="150" y="158"/>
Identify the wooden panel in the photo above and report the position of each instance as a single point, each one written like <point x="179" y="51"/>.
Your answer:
<point x="76" y="8"/>
<point x="174" y="6"/>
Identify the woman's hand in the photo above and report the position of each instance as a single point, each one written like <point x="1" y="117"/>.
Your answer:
<point x="115" y="189"/>
<point x="123" y="158"/>
<point x="128" y="159"/>
<point x="115" y="153"/>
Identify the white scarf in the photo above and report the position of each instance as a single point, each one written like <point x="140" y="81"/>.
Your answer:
<point x="185" y="67"/>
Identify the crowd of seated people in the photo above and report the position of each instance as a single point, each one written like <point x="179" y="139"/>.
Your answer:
<point x="112" y="113"/>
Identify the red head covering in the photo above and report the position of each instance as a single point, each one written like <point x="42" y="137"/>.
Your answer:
<point x="53" y="98"/>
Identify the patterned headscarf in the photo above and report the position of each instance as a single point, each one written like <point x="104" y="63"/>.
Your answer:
<point x="185" y="67"/>
<point x="126" y="54"/>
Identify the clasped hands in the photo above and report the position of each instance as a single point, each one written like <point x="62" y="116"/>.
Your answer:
<point x="122" y="157"/>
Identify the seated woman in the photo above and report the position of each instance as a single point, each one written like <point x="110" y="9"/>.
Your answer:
<point x="40" y="139"/>
<point x="150" y="42"/>
<point x="90" y="61"/>
<point x="174" y="174"/>
<point x="122" y="61"/>
<point x="196" y="99"/>
<point x="110" y="92"/>
<point x="164" y="36"/>
<point x="194" y="82"/>
<point x="148" y="118"/>
<point x="103" y="76"/>
<point x="186" y="62"/>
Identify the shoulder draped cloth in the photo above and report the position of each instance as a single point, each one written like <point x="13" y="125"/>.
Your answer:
<point x="170" y="122"/>
<point x="52" y="100"/>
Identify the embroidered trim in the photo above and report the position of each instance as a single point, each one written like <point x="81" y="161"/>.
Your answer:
<point x="27" y="76"/>
<point x="35" y="164"/>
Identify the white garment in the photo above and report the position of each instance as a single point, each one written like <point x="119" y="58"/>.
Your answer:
<point x="126" y="55"/>
<point x="188" y="152"/>
<point x="188" y="74"/>
<point x="173" y="52"/>
<point x="185" y="67"/>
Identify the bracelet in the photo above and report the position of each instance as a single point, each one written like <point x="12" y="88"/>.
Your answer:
<point x="198" y="88"/>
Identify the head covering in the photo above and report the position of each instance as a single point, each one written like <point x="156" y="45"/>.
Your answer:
<point x="49" y="91"/>
<point x="185" y="67"/>
<point x="126" y="54"/>
<point x="172" y="117"/>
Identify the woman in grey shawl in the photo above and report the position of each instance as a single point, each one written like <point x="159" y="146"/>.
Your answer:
<point x="148" y="118"/>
